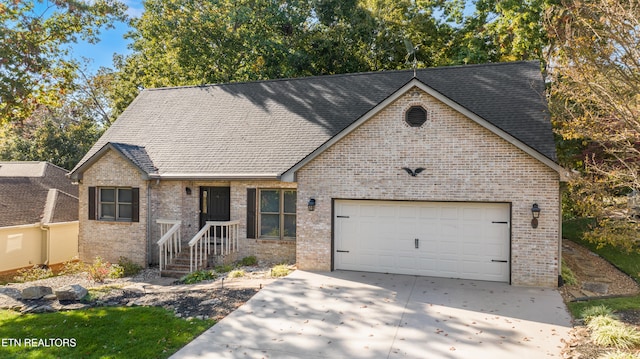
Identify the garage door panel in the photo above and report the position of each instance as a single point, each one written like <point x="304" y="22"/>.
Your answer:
<point x="457" y="240"/>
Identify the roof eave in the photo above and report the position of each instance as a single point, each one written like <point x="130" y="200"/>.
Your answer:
<point x="217" y="176"/>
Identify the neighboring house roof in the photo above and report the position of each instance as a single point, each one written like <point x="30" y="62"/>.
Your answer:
<point x="36" y="192"/>
<point x="265" y="128"/>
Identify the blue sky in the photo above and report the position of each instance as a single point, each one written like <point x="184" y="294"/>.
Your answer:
<point x="111" y="41"/>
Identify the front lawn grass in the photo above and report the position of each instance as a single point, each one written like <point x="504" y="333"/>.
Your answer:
<point x="615" y="304"/>
<point x="108" y="332"/>
<point x="628" y="262"/>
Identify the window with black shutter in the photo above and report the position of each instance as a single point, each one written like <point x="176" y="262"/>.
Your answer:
<point x="121" y="204"/>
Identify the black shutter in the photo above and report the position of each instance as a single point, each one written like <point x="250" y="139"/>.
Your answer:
<point x="135" y="205"/>
<point x="92" y="203"/>
<point x="251" y="213"/>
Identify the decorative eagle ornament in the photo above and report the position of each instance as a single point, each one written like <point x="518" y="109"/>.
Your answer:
<point x="413" y="173"/>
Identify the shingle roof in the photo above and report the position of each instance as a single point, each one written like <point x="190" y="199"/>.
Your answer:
<point x="267" y="127"/>
<point x="24" y="189"/>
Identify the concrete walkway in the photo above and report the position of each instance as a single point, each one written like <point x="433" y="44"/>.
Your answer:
<point x="368" y="315"/>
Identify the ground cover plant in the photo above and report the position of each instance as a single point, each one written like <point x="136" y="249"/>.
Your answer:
<point x="607" y="330"/>
<point x="628" y="262"/>
<point x="280" y="270"/>
<point x="123" y="332"/>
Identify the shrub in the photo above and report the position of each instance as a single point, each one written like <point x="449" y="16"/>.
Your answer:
<point x="249" y="261"/>
<point x="198" y="276"/>
<point x="616" y="334"/>
<point x="567" y="275"/>
<point x="130" y="268"/>
<point x="34" y="273"/>
<point x="599" y="321"/>
<point x="237" y="273"/>
<point x="101" y="270"/>
<point x="619" y="355"/>
<point x="596" y="311"/>
<point x="224" y="268"/>
<point x="72" y="266"/>
<point x="281" y="270"/>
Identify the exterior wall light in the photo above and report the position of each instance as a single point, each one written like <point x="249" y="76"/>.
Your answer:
<point x="312" y="204"/>
<point x="188" y="190"/>
<point x="535" y="212"/>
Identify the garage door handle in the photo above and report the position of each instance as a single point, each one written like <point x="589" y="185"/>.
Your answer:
<point x="498" y="261"/>
<point x="342" y="216"/>
<point x="339" y="251"/>
<point x="499" y="222"/>
<point x="417" y="242"/>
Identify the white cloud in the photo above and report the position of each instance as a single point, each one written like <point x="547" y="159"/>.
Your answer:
<point x="134" y="8"/>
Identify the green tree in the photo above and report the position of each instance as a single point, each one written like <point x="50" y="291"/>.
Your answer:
<point x="64" y="133"/>
<point x="35" y="69"/>
<point x="595" y="102"/>
<point x="503" y="30"/>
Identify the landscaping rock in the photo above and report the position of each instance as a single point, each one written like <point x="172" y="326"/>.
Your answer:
<point x="36" y="292"/>
<point x="43" y="309"/>
<point x="135" y="289"/>
<point x="596" y="287"/>
<point x="71" y="292"/>
<point x="50" y="297"/>
<point x="74" y="306"/>
<point x="11" y="292"/>
<point x="214" y="301"/>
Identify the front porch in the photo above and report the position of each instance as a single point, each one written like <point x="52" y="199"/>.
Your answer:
<point x="215" y="244"/>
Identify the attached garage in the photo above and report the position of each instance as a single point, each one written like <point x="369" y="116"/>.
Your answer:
<point x="466" y="240"/>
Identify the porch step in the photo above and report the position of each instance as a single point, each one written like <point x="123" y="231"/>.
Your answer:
<point x="173" y="273"/>
<point x="179" y="265"/>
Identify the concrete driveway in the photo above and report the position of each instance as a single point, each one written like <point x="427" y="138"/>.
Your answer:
<point x="369" y="315"/>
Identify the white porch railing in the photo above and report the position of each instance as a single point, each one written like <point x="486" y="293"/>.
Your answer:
<point x="169" y="243"/>
<point x="204" y="244"/>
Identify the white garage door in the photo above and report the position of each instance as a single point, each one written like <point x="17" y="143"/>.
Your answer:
<point x="442" y="239"/>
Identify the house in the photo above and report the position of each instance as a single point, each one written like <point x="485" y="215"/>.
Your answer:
<point x="38" y="215"/>
<point x="437" y="173"/>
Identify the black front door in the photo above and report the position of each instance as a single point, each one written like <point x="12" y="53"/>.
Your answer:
<point x="214" y="204"/>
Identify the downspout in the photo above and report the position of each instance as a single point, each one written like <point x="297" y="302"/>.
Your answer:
<point x="47" y="233"/>
<point x="47" y="216"/>
<point x="148" y="223"/>
<point x="560" y="193"/>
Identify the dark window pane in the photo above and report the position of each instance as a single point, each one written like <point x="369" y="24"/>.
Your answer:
<point x="416" y="116"/>
<point x="270" y="201"/>
<point x="289" y="225"/>
<point x="124" y="195"/>
<point x="289" y="201"/>
<point x="107" y="211"/>
<point x="270" y="225"/>
<point x="107" y="195"/>
<point x="124" y="211"/>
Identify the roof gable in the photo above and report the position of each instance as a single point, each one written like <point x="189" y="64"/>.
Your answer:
<point x="135" y="155"/>
<point x="27" y="194"/>
<point x="289" y="175"/>
<point x="263" y="129"/>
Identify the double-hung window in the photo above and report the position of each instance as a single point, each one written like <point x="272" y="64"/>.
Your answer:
<point x="115" y="204"/>
<point x="277" y="213"/>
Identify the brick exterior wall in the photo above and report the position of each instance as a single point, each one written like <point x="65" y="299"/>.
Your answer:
<point x="171" y="201"/>
<point x="168" y="200"/>
<point x="110" y="240"/>
<point x="463" y="161"/>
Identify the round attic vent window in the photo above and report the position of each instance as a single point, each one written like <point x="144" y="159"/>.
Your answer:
<point x="416" y="116"/>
